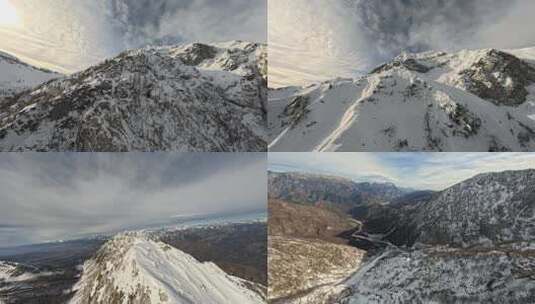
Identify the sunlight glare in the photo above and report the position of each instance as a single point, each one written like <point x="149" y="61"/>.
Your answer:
<point x="8" y="14"/>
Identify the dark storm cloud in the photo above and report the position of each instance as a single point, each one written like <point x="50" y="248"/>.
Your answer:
<point x="347" y="38"/>
<point x="394" y="26"/>
<point x="51" y="196"/>
<point x="145" y="21"/>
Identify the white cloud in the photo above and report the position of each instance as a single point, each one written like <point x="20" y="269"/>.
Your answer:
<point x="55" y="196"/>
<point x="346" y="164"/>
<point x="311" y="40"/>
<point x="446" y="169"/>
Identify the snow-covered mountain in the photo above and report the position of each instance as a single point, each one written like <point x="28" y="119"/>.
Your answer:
<point x="131" y="268"/>
<point x="17" y="76"/>
<point x="195" y="97"/>
<point x="472" y="100"/>
<point x="443" y="275"/>
<point x="488" y="209"/>
<point x="470" y="243"/>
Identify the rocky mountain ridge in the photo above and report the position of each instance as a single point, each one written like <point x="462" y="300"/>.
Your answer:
<point x="194" y="97"/>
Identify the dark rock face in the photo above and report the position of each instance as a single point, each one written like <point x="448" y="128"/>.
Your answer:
<point x="197" y="53"/>
<point x="153" y="99"/>
<point x="497" y="76"/>
<point x="414" y="198"/>
<point x="297" y="109"/>
<point x="410" y="64"/>
<point x="500" y="77"/>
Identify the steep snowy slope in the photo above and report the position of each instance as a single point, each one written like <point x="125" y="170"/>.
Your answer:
<point x="133" y="269"/>
<point x="195" y="97"/>
<point x="17" y="76"/>
<point x="480" y="100"/>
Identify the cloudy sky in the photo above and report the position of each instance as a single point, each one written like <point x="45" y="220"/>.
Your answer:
<point x="434" y="171"/>
<point x="348" y="37"/>
<point x="68" y="35"/>
<point x="55" y="196"/>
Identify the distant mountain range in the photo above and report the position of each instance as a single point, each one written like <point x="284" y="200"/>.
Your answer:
<point x="194" y="97"/>
<point x="318" y="189"/>
<point x="471" y="100"/>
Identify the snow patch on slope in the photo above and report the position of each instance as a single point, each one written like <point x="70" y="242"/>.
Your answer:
<point x="16" y="76"/>
<point x="11" y="272"/>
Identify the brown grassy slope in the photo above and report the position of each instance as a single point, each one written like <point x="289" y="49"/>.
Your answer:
<point x="308" y="222"/>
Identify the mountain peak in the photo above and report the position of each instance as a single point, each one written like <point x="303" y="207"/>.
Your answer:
<point x="178" y="98"/>
<point x="471" y="100"/>
<point x="131" y="267"/>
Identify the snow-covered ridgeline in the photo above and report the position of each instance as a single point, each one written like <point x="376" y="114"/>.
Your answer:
<point x="134" y="267"/>
<point x="478" y="100"/>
